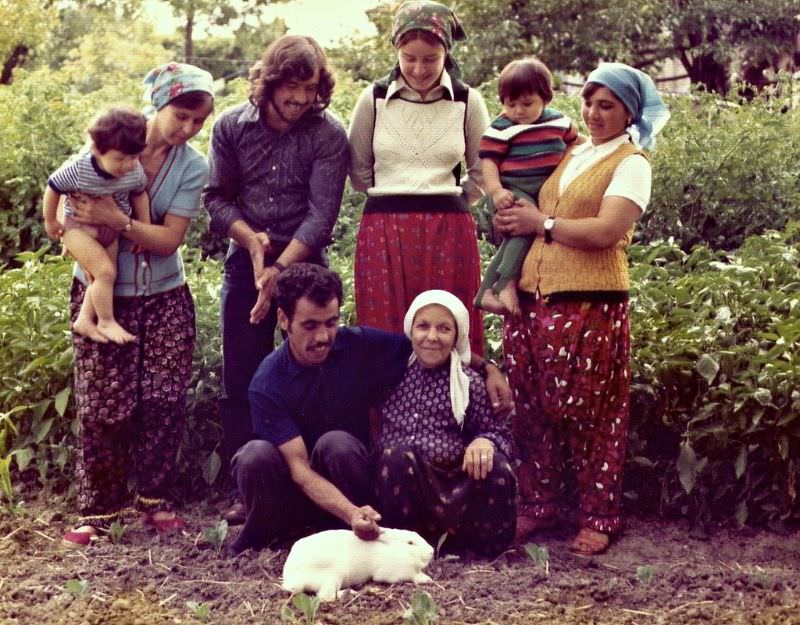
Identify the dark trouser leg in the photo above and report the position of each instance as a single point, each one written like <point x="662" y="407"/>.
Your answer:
<point x="487" y="525"/>
<point x="402" y="497"/>
<point x="269" y="495"/>
<point x="343" y="460"/>
<point x="244" y="346"/>
<point x="106" y="378"/>
<point x="167" y="338"/>
<point x="274" y="503"/>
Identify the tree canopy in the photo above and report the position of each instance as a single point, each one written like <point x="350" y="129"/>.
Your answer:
<point x="712" y="39"/>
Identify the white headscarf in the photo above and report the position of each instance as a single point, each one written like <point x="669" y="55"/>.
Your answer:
<point x="459" y="381"/>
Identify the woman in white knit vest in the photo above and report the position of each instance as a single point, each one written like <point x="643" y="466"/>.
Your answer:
<point x="569" y="353"/>
<point x="409" y="133"/>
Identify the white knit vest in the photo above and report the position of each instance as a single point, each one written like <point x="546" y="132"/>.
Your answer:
<point x="417" y="145"/>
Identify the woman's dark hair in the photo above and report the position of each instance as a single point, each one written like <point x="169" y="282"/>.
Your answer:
<point x="120" y="128"/>
<point x="291" y="57"/>
<point x="192" y="100"/>
<point x="590" y="88"/>
<point x="419" y="33"/>
<point x="315" y="282"/>
<point x="523" y="77"/>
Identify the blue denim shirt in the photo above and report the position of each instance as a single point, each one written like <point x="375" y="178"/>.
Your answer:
<point x="288" y="184"/>
<point x="289" y="400"/>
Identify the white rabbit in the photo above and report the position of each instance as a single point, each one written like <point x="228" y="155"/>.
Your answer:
<point x="328" y="561"/>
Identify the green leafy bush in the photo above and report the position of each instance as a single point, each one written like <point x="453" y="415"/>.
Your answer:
<point x="36" y="422"/>
<point x="723" y="171"/>
<point x="37" y="419"/>
<point x="715" y="427"/>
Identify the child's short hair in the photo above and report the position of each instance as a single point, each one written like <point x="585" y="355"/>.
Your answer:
<point x="525" y="76"/>
<point x="120" y="128"/>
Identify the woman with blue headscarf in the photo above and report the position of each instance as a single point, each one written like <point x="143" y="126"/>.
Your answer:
<point x="131" y="398"/>
<point x="568" y="354"/>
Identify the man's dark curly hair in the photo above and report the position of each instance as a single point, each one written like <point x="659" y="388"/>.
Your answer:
<point x="291" y="57"/>
<point x="315" y="282"/>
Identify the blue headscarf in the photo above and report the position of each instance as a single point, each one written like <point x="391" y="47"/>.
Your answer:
<point x="165" y="83"/>
<point x="638" y="93"/>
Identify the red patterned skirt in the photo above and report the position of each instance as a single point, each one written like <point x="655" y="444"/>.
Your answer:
<point x="569" y="369"/>
<point x="400" y="255"/>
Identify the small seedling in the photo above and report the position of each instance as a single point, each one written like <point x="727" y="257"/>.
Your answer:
<point x="540" y="555"/>
<point x="201" y="611"/>
<point x="216" y="534"/>
<point x="440" y="544"/>
<point x="76" y="587"/>
<point x="645" y="573"/>
<point x="305" y="605"/>
<point x="116" y="531"/>
<point x="422" y="611"/>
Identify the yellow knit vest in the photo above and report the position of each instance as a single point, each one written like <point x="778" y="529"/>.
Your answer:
<point x="556" y="268"/>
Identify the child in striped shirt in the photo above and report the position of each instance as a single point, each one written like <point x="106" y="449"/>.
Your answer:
<point x="108" y="166"/>
<point x="518" y="152"/>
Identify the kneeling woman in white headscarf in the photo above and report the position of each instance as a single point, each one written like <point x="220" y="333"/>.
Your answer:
<point x="444" y="462"/>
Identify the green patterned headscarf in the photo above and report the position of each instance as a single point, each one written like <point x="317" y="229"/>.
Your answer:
<point x="433" y="17"/>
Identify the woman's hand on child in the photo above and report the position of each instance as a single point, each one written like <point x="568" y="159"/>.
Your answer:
<point x="103" y="210"/>
<point x="522" y="218"/>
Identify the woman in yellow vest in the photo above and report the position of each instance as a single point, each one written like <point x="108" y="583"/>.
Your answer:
<point x="568" y="354"/>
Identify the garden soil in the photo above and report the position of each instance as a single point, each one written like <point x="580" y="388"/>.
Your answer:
<point x="656" y="573"/>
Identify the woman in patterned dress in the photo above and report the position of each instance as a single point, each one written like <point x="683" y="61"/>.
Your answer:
<point x="131" y="398"/>
<point x="444" y="457"/>
<point x="569" y="353"/>
<point x="409" y="133"/>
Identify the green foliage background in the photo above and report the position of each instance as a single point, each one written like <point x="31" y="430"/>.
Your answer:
<point x="716" y="274"/>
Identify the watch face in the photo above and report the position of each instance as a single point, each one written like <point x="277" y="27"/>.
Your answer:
<point x="548" y="223"/>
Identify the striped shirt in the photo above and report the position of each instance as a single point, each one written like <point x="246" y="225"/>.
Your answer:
<point x="526" y="154"/>
<point x="83" y="173"/>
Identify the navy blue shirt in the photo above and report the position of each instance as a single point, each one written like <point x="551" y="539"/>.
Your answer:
<point x="289" y="400"/>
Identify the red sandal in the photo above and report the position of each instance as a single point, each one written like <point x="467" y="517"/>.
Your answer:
<point x="163" y="525"/>
<point x="79" y="537"/>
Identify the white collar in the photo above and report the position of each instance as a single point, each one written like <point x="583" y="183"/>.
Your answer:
<point x="604" y="148"/>
<point x="445" y="82"/>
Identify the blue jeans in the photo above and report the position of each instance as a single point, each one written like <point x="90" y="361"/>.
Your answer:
<point x="244" y="345"/>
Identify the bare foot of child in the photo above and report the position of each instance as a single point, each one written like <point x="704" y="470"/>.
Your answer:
<point x="115" y="332"/>
<point x="509" y="298"/>
<point x="490" y="303"/>
<point x="87" y="328"/>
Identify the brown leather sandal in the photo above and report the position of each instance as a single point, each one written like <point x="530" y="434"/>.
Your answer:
<point x="589" y="543"/>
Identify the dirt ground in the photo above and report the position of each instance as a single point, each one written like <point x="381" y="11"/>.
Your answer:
<point x="656" y="573"/>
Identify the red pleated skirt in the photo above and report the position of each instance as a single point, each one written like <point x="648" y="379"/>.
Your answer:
<point x="399" y="255"/>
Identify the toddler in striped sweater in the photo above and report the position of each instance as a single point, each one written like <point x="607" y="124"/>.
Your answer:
<point x="108" y="166"/>
<point x="518" y="152"/>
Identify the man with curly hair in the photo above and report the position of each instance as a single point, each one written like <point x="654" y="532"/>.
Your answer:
<point x="277" y="169"/>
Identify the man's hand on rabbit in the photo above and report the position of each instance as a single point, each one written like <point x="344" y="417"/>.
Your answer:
<point x="364" y="522"/>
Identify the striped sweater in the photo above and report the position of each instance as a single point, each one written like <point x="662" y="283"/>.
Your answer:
<point x="526" y="154"/>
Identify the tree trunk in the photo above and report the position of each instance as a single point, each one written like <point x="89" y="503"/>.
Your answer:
<point x="188" y="44"/>
<point x="15" y="59"/>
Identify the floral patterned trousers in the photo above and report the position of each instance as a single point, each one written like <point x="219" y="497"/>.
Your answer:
<point x="569" y="369"/>
<point x="131" y="402"/>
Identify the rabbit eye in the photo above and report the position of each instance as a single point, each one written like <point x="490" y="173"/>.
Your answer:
<point x="410" y="542"/>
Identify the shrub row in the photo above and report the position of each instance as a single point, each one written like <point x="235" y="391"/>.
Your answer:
<point x="722" y="170"/>
<point x="715" y="430"/>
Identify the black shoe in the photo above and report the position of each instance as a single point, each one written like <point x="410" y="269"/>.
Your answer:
<point x="236" y="514"/>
